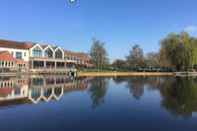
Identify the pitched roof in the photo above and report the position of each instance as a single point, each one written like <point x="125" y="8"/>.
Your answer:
<point x="80" y="55"/>
<point x="15" y="44"/>
<point x="6" y="56"/>
<point x="28" y="45"/>
<point x="66" y="52"/>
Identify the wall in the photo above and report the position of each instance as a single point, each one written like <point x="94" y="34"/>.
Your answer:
<point x="25" y="58"/>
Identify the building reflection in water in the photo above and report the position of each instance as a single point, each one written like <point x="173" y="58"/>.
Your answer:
<point x="38" y="88"/>
<point x="177" y="95"/>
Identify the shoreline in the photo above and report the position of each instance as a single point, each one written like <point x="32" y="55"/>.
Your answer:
<point x="97" y="74"/>
<point x="109" y="74"/>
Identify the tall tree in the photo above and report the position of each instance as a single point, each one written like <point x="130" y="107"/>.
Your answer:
<point x="99" y="54"/>
<point x="179" y="50"/>
<point x="136" y="57"/>
<point x="194" y="50"/>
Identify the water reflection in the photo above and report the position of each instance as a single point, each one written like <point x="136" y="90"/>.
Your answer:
<point x="178" y="96"/>
<point x="38" y="88"/>
<point x="136" y="85"/>
<point x="98" y="89"/>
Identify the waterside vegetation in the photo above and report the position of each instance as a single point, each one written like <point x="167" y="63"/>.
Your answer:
<point x="178" y="52"/>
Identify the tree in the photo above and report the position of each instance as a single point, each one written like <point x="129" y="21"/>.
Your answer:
<point x="136" y="57"/>
<point x="99" y="54"/>
<point x="178" y="50"/>
<point x="163" y="60"/>
<point x="152" y="59"/>
<point x="194" y="50"/>
<point x="119" y="64"/>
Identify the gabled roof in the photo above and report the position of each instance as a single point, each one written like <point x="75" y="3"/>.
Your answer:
<point x="54" y="47"/>
<point x="15" y="44"/>
<point x="28" y="45"/>
<point x="44" y="46"/>
<point x="6" y="56"/>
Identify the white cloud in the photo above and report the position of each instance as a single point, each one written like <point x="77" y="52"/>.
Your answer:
<point x="191" y="29"/>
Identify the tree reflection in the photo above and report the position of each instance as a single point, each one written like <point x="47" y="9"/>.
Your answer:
<point x="98" y="89"/>
<point x="180" y="96"/>
<point x="136" y="84"/>
<point x="119" y="80"/>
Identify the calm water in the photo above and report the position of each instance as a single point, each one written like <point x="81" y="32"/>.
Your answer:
<point x="57" y="103"/>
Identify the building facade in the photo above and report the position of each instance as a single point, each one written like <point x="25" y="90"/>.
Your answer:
<point x="7" y="62"/>
<point x="36" y="57"/>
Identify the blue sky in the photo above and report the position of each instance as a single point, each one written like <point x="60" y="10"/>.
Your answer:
<point x="119" y="23"/>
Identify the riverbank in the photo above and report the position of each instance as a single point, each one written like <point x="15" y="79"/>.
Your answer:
<point x="95" y="74"/>
<point x="108" y="74"/>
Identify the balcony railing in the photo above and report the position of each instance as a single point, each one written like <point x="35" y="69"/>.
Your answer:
<point x="53" y="70"/>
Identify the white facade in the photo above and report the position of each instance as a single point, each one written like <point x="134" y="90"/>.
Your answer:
<point x="37" y="46"/>
<point x="24" y="53"/>
<point x="42" y="50"/>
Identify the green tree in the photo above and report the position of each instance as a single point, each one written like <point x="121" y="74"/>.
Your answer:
<point x="179" y="50"/>
<point x="194" y="50"/>
<point x="99" y="54"/>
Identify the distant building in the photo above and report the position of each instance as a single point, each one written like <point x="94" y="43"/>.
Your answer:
<point x="78" y="59"/>
<point x="36" y="57"/>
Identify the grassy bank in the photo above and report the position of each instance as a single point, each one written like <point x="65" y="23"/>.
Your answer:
<point x="92" y="74"/>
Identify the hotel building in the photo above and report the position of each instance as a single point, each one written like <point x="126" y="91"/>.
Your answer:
<point x="42" y="58"/>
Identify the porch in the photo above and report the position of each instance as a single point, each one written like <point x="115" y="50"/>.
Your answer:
<point x="39" y="65"/>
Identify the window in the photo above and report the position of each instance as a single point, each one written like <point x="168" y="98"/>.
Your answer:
<point x="18" y="55"/>
<point x="58" y="54"/>
<point x="48" y="53"/>
<point x="37" y="52"/>
<point x="25" y="54"/>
